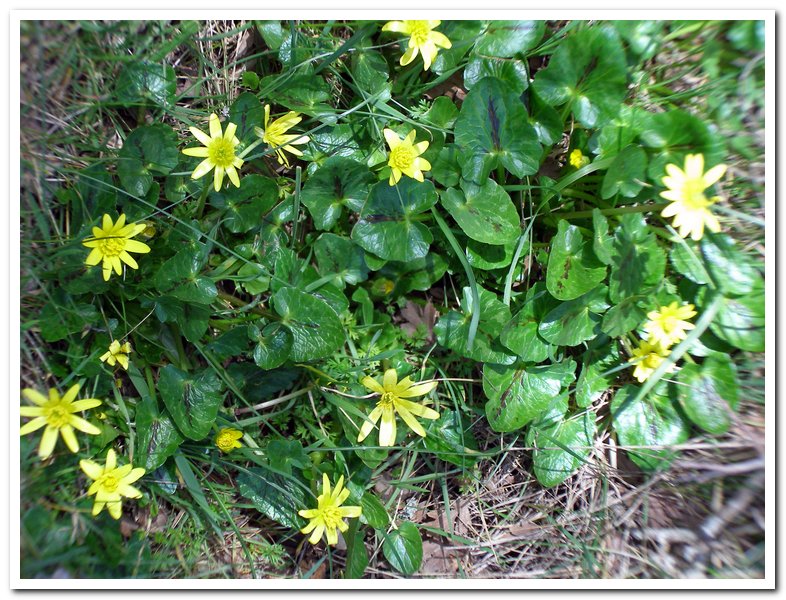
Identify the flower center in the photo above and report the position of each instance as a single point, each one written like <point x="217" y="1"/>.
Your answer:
<point x="112" y="246"/>
<point x="402" y="157"/>
<point x="332" y="516"/>
<point x="109" y="482"/>
<point x="221" y="152"/>
<point x="419" y="32"/>
<point x="694" y="194"/>
<point x="58" y="415"/>
<point x="652" y="361"/>
<point x="388" y="399"/>
<point x="224" y="441"/>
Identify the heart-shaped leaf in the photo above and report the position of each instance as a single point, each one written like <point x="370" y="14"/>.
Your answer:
<point x="403" y="548"/>
<point x="147" y="150"/>
<point x="340" y="182"/>
<point x="315" y="327"/>
<point x="245" y="206"/>
<point x="561" y="445"/>
<point x="485" y="213"/>
<point x="709" y="392"/>
<point x="193" y="401"/>
<point x="573" y="268"/>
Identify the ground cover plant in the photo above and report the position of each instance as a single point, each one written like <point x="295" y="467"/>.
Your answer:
<point x="397" y="298"/>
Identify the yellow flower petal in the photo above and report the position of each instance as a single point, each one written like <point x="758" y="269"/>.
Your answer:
<point x="48" y="440"/>
<point x="32" y="426"/>
<point x="34" y="396"/>
<point x="67" y="432"/>
<point x="92" y="469"/>
<point x="387" y="428"/>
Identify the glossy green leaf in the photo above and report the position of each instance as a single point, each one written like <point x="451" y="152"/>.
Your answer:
<point x="518" y="395"/>
<point x="157" y="438"/>
<point x="488" y="256"/>
<point x="275" y="496"/>
<point x="244" y="206"/>
<point x="623" y="317"/>
<point x="573" y="268"/>
<point x="545" y="120"/>
<point x="728" y="266"/>
<point x="403" y="548"/>
<point x="451" y="438"/>
<point x="192" y="400"/>
<point x="740" y="321"/>
<point x="575" y="321"/>
<point x="140" y="82"/>
<point x="508" y="38"/>
<point x="315" y="327"/>
<point x="492" y="129"/>
<point x="511" y="72"/>
<point x="485" y="213"/>
<point x="274" y="345"/>
<point x="338" y="184"/>
<point x="246" y="112"/>
<point x="686" y="258"/>
<point x="561" y="446"/>
<point x="179" y="277"/>
<point x="650" y="426"/>
<point x="341" y="257"/>
<point x="374" y="513"/>
<point x="601" y="240"/>
<point x="627" y="174"/>
<point x="369" y="68"/>
<point x="709" y="392"/>
<point x="148" y="150"/>
<point x="588" y="71"/>
<point x="445" y="168"/>
<point x="638" y="262"/>
<point x="357" y="555"/>
<point x="520" y="334"/>
<point x="386" y="226"/>
<point x="230" y="343"/>
<point x="594" y="380"/>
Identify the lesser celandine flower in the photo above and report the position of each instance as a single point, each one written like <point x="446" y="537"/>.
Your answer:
<point x="648" y="357"/>
<point x="422" y="39"/>
<point x="393" y="400"/>
<point x="111" y="243"/>
<point x="58" y="415"/>
<point x="578" y="160"/>
<point x="329" y="515"/>
<point x="689" y="206"/>
<point x="275" y="134"/>
<point x="668" y="324"/>
<point x="218" y="150"/>
<point x="405" y="156"/>
<point x="111" y="483"/>
<point x="117" y="353"/>
<point x="227" y="439"/>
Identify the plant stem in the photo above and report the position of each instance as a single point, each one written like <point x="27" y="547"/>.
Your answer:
<point x="609" y="212"/>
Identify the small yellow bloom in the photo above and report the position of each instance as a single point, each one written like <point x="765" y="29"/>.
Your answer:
<point x="647" y="357"/>
<point x="111" y="483"/>
<point x="421" y="39"/>
<point x="111" y="243"/>
<point x="275" y="135"/>
<point x="329" y="515"/>
<point x="578" y="160"/>
<point x="218" y="150"/>
<point x="58" y="415"/>
<point x="393" y="401"/>
<point x="405" y="156"/>
<point x="117" y="353"/>
<point x="668" y="325"/>
<point x="689" y="206"/>
<point x="227" y="439"/>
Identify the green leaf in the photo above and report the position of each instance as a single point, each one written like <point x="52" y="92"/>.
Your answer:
<point x="487" y="256"/>
<point x="627" y="174"/>
<point x="157" y="438"/>
<point x="315" y="327"/>
<point x="575" y="321"/>
<point x="652" y="421"/>
<point x="386" y="226"/>
<point x="520" y="334"/>
<point x="147" y="150"/>
<point x="709" y="392"/>
<point x="545" y="120"/>
<point x="303" y="93"/>
<point x="244" y="206"/>
<point x="518" y="395"/>
<point x="511" y="72"/>
<point x="493" y="129"/>
<point x="246" y="112"/>
<point x="623" y="317"/>
<point x="374" y="513"/>
<point x="230" y="343"/>
<point x="403" y="548"/>
<point x="193" y="401"/>
<point x="273" y="347"/>
<point x="509" y="38"/>
<point x="686" y="259"/>
<point x="451" y="438"/>
<point x="357" y="555"/>
<point x="369" y="68"/>
<point x="178" y="277"/>
<point x="341" y="257"/>
<point x="452" y="330"/>
<point x="485" y="213"/>
<point x="62" y="317"/>
<point x="601" y="241"/>
<point x="340" y="182"/>
<point x="272" y="33"/>
<point x="588" y="71"/>
<point x="730" y="269"/>
<point x="277" y="497"/>
<point x="638" y="263"/>
<point x="573" y="268"/>
<point x="140" y="82"/>
<point x="593" y="381"/>
<point x="442" y="113"/>
<point x="284" y="455"/>
<point x="561" y="446"/>
<point x="445" y="168"/>
<point x="740" y="321"/>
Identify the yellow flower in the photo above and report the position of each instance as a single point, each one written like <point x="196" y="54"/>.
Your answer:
<point x="578" y="160"/>
<point x="689" y="206"/>
<point x="393" y="401"/>
<point x="112" y="243"/>
<point x="329" y="515"/>
<point x="218" y="150"/>
<point x="405" y="156"/>
<point x="117" y="353"/>
<point x="421" y="39"/>
<point x="647" y="357"/>
<point x="111" y="483"/>
<point x="275" y="134"/>
<point x="58" y="415"/>
<point x="227" y="439"/>
<point x="668" y="325"/>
